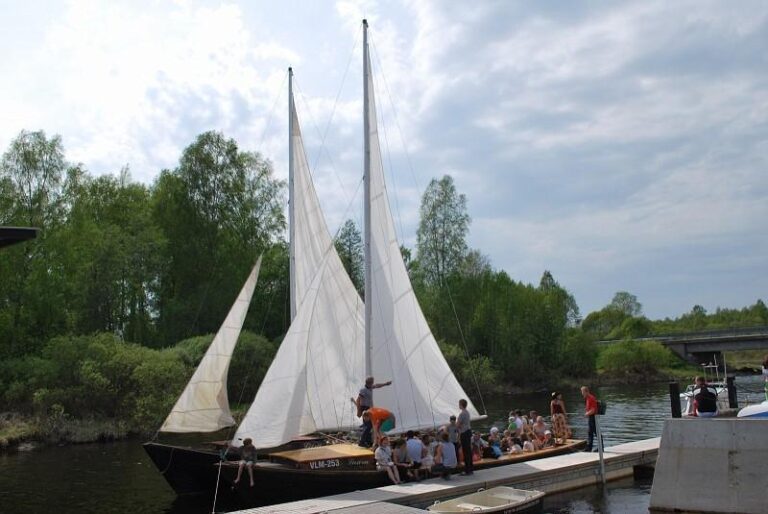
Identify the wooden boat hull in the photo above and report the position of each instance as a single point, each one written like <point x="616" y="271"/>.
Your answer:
<point x="277" y="482"/>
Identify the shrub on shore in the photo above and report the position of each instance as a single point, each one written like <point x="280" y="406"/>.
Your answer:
<point x="636" y="358"/>
<point x="89" y="388"/>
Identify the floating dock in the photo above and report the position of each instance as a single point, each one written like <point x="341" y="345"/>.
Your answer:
<point x="552" y="474"/>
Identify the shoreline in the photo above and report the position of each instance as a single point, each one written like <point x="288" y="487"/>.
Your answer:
<point x="20" y="432"/>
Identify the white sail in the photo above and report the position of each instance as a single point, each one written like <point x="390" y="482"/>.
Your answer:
<point x="204" y="405"/>
<point x="424" y="390"/>
<point x="319" y="364"/>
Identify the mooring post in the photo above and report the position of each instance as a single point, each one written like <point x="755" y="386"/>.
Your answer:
<point x="674" y="399"/>
<point x="733" y="400"/>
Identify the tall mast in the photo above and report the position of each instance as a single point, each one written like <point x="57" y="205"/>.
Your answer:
<point x="367" y="204"/>
<point x="291" y="218"/>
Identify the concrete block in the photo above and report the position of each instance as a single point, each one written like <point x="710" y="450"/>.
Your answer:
<point x="712" y="465"/>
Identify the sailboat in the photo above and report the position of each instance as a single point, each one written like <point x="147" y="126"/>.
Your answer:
<point x="308" y="385"/>
<point x="334" y="342"/>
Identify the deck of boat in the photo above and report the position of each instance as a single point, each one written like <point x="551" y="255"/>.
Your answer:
<point x="331" y="451"/>
<point x="550" y="474"/>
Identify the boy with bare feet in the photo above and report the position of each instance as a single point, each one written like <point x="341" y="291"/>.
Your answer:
<point x="247" y="458"/>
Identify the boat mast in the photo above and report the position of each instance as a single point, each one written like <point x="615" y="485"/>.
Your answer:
<point x="367" y="205"/>
<point x="291" y="220"/>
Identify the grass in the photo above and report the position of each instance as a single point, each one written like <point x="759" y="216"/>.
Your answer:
<point x="16" y="429"/>
<point x="745" y="359"/>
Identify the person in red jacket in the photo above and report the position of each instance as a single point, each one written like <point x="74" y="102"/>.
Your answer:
<point x="590" y="404"/>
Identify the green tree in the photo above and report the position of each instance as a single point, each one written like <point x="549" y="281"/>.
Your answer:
<point x="349" y="245"/>
<point x="443" y="227"/>
<point x="626" y="303"/>
<point x="218" y="210"/>
<point x="111" y="252"/>
<point x="32" y="171"/>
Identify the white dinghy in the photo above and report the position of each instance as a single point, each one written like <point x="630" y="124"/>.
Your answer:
<point x="501" y="500"/>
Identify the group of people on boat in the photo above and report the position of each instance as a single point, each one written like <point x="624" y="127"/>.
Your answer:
<point x="441" y="451"/>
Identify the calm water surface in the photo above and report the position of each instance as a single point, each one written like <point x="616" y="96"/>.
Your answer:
<point x="119" y="477"/>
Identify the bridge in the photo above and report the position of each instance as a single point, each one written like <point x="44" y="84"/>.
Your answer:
<point x="701" y="347"/>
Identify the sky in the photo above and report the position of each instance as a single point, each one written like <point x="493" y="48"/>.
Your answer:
<point x="623" y="146"/>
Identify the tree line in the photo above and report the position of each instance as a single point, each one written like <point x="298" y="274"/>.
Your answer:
<point x="110" y="308"/>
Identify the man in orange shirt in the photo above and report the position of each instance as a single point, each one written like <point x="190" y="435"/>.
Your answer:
<point x="590" y="403"/>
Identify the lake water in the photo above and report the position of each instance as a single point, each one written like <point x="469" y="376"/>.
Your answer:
<point x="119" y="477"/>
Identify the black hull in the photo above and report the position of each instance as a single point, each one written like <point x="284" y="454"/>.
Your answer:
<point x="195" y="470"/>
<point x="187" y="470"/>
<point x="281" y="484"/>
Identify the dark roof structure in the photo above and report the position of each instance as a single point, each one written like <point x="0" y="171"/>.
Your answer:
<point x="13" y="235"/>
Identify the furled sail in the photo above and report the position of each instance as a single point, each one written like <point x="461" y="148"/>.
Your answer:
<point x="319" y="364"/>
<point x="424" y="390"/>
<point x="204" y="405"/>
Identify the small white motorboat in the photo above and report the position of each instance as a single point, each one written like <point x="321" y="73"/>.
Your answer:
<point x="757" y="411"/>
<point x="711" y="373"/>
<point x="498" y="500"/>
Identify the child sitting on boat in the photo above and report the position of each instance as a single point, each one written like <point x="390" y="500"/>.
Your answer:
<point x="528" y="445"/>
<point x="478" y="445"/>
<point x="383" y="456"/>
<point x="247" y="458"/>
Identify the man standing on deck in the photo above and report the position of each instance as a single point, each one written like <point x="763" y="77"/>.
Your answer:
<point x="590" y="403"/>
<point x="465" y="435"/>
<point x="365" y="396"/>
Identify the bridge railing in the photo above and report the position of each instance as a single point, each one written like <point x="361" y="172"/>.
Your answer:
<point x="761" y="331"/>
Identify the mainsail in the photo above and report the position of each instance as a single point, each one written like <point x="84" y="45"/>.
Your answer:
<point x="424" y="390"/>
<point x="319" y="364"/>
<point x="204" y="405"/>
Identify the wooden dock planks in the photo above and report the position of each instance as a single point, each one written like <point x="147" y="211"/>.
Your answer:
<point x="551" y="474"/>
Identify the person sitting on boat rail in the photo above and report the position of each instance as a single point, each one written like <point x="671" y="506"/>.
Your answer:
<point x="539" y="428"/>
<point x="365" y="396"/>
<point x="400" y="457"/>
<point x="384" y="460"/>
<point x="516" y="423"/>
<point x="494" y="442"/>
<point x="478" y="446"/>
<point x="528" y="445"/>
<point x="704" y="399"/>
<point x="247" y="458"/>
<point x="445" y="457"/>
<point x="415" y="448"/>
